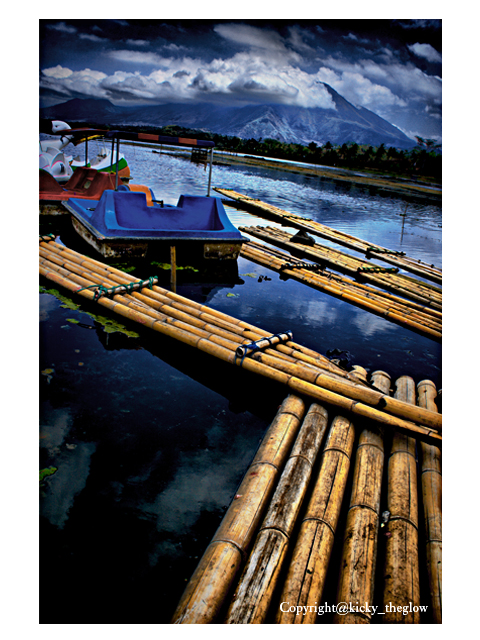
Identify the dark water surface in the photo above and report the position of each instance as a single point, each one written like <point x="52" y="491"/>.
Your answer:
<point x="151" y="439"/>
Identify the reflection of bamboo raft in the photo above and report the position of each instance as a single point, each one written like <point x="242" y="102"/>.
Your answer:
<point x="401" y="284"/>
<point x="396" y="258"/>
<point x="280" y="575"/>
<point x="412" y="315"/>
<point x="221" y="339"/>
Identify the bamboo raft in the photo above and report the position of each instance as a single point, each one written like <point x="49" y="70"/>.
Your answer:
<point x="419" y="318"/>
<point x="396" y="258"/>
<point x="411" y="288"/>
<point x="300" y="369"/>
<point x="272" y="557"/>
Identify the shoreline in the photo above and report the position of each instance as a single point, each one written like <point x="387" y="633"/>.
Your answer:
<point x="395" y="184"/>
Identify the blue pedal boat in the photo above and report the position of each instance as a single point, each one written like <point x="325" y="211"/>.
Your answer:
<point x="129" y="222"/>
<point x="123" y="224"/>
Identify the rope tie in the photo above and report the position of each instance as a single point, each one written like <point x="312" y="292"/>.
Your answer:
<point x="47" y="238"/>
<point x="302" y="265"/>
<point x="246" y="349"/>
<point x="377" y="270"/>
<point x="371" y="249"/>
<point x="100" y="290"/>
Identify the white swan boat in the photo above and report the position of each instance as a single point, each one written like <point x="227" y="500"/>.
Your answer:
<point x="61" y="167"/>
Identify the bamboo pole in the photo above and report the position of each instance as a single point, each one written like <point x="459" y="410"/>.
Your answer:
<point x="396" y="311"/>
<point x="260" y="577"/>
<point x="347" y="263"/>
<point x="311" y="556"/>
<point x="431" y="476"/>
<point x="325" y="389"/>
<point x="215" y="575"/>
<point x="290" y="348"/>
<point x="407" y="286"/>
<point x="359" y="554"/>
<point x="401" y="574"/>
<point x="289" y="364"/>
<point x="416" y="266"/>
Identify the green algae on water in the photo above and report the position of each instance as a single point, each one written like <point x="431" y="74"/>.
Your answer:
<point x="49" y="471"/>
<point x="109" y="325"/>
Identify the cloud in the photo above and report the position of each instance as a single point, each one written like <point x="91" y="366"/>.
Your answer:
<point x="263" y="43"/>
<point x="58" y="72"/>
<point x="250" y="36"/>
<point x="378" y="85"/>
<point x="61" y="26"/>
<point x="137" y="43"/>
<point x="91" y="37"/>
<point x="135" y="57"/>
<point x="72" y="83"/>
<point x="425" y="51"/>
<point x="264" y="67"/>
<point x="297" y="39"/>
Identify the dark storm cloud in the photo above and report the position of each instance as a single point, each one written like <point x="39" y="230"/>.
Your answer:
<point x="392" y="67"/>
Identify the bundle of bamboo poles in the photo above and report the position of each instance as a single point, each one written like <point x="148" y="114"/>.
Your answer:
<point x="406" y="286"/>
<point x="270" y="559"/>
<point x="412" y="265"/>
<point x="302" y="370"/>
<point x="412" y="315"/>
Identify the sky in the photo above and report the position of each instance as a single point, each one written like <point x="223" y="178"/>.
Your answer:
<point x="392" y="67"/>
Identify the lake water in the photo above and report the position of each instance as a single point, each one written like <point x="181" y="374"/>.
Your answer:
<point x="150" y="439"/>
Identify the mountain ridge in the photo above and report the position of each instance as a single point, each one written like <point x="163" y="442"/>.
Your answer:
<point x="286" y="123"/>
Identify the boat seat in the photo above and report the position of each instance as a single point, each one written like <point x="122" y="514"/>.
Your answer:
<point x="193" y="213"/>
<point x="145" y="190"/>
<point x="80" y="176"/>
<point x="48" y="183"/>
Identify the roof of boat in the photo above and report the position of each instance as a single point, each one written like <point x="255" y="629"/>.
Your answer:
<point x="80" y="134"/>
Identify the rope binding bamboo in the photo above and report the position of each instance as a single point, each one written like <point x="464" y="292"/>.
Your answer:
<point x="372" y="269"/>
<point x="48" y="237"/>
<point x="244" y="349"/>
<point x="371" y="249"/>
<point x="302" y="265"/>
<point x="99" y="290"/>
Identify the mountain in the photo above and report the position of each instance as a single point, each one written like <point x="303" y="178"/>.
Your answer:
<point x="287" y="123"/>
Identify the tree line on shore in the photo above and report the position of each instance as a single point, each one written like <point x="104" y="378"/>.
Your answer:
<point x="423" y="161"/>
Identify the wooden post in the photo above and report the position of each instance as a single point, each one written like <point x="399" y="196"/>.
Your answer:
<point x="359" y="556"/>
<point x="401" y="575"/>
<point x="308" y="568"/>
<point x="223" y="559"/>
<point x="431" y="470"/>
<point x="210" y="172"/>
<point x="116" y="166"/>
<point x="173" y="268"/>
<point x="260" y="577"/>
